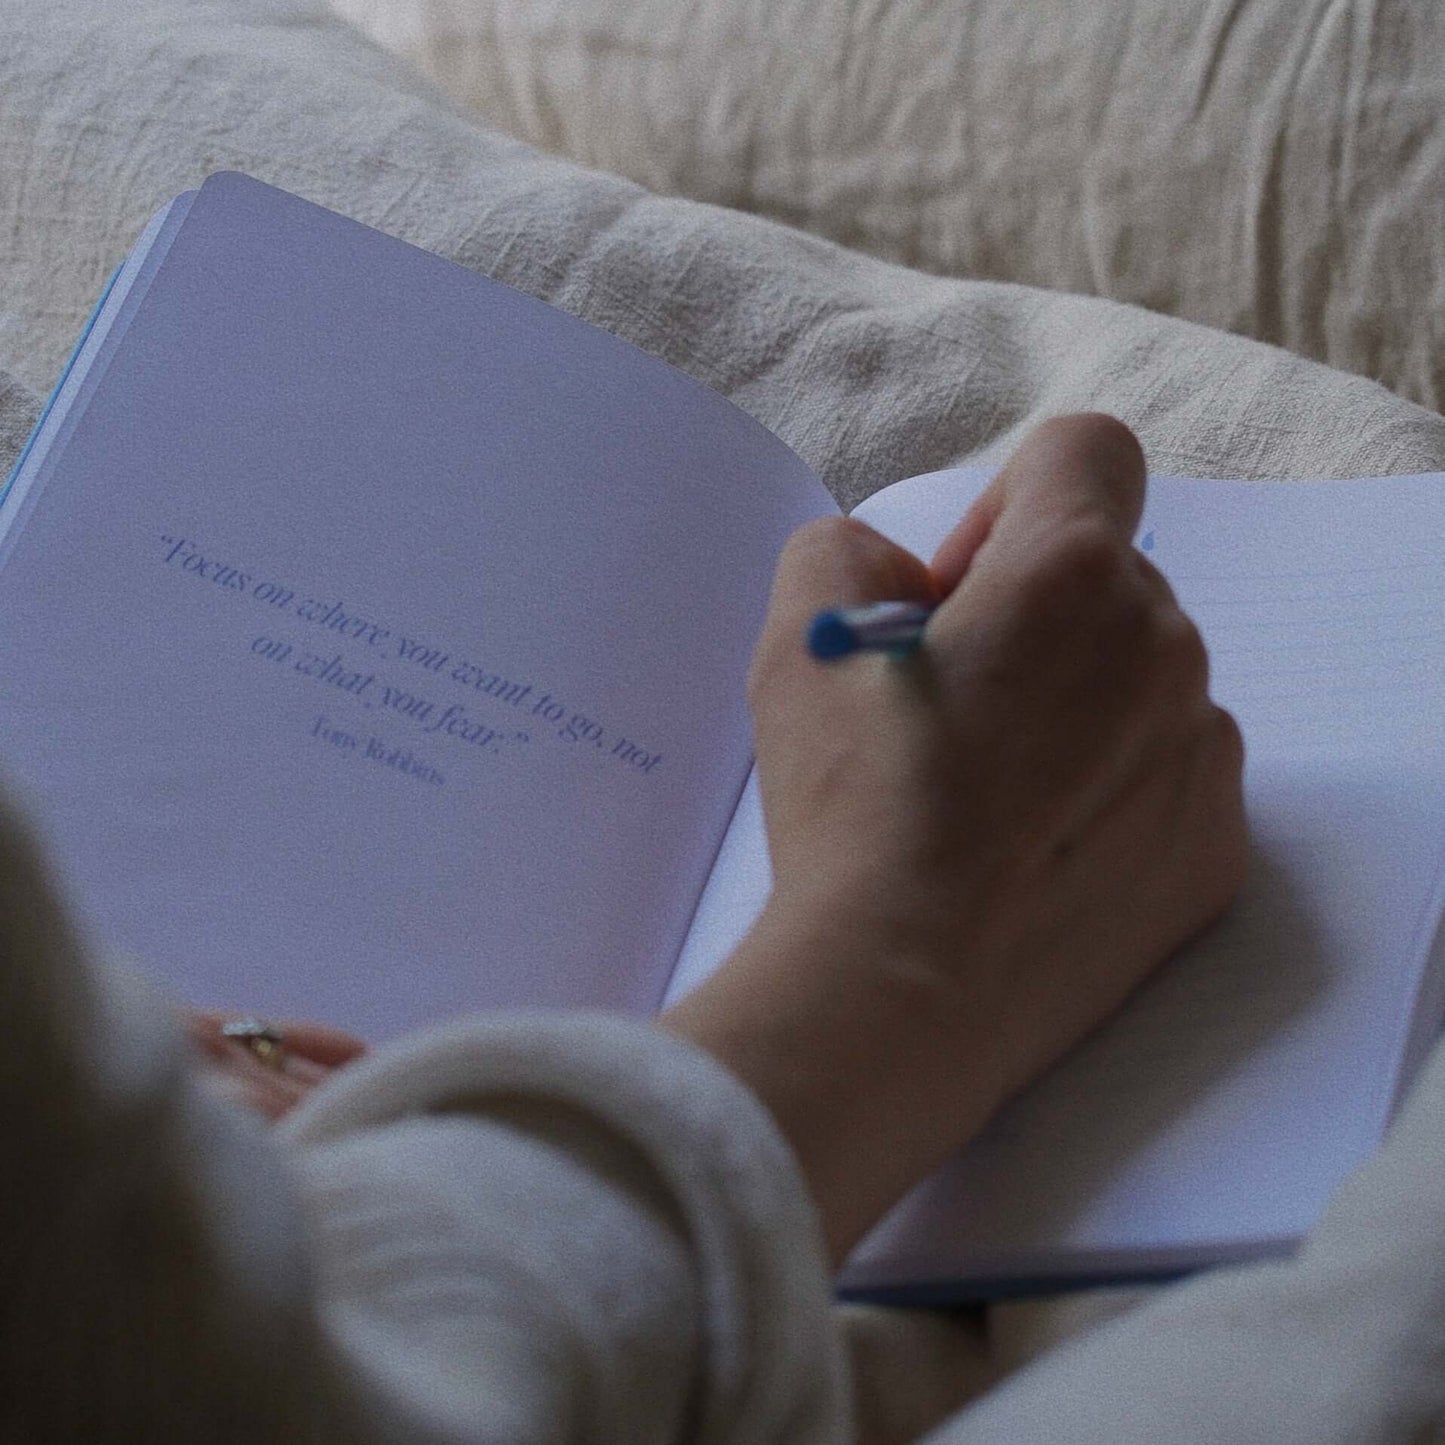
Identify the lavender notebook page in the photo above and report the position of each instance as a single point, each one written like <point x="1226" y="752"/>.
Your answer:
<point x="1215" y="1116"/>
<point x="375" y="645"/>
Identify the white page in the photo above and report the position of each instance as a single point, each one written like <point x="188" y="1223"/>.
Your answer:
<point x="1232" y="1095"/>
<point x="338" y="419"/>
<point x="736" y="891"/>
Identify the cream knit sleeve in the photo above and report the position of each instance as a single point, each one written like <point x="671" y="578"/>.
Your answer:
<point x="527" y="1228"/>
<point x="558" y="1228"/>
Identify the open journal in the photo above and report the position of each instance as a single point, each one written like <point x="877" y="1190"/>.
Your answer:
<point x="374" y="649"/>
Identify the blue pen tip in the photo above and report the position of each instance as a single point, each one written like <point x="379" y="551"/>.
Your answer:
<point x="830" y="636"/>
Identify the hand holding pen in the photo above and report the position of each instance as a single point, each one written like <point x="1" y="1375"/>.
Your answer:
<point x="976" y="857"/>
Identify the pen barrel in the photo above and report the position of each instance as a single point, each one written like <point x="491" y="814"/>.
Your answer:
<point x="900" y="629"/>
<point x="877" y="626"/>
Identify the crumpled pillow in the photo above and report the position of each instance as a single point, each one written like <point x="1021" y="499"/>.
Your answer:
<point x="1276" y="169"/>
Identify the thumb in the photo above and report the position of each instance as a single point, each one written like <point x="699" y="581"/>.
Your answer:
<point x="1070" y="467"/>
<point x="835" y="562"/>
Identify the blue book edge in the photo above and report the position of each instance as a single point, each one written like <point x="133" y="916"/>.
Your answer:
<point x="59" y="385"/>
<point x="962" y="1293"/>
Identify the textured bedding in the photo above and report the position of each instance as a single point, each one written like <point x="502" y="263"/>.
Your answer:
<point x="1275" y="168"/>
<point x="871" y="372"/>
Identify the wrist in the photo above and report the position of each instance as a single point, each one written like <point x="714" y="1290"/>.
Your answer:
<point x="863" y="1053"/>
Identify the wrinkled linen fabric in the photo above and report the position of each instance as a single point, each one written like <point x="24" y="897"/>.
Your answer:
<point x="1274" y="168"/>
<point x="19" y="411"/>
<point x="871" y="372"/>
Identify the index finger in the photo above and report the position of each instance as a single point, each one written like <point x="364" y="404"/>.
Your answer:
<point x="1068" y="468"/>
<point x="834" y="562"/>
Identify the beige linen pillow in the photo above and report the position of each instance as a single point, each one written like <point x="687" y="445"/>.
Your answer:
<point x="1276" y="169"/>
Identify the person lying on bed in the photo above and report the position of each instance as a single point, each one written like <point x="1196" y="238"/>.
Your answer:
<point x="571" y="1226"/>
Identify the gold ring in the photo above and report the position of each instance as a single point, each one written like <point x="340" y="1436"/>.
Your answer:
<point x="264" y="1040"/>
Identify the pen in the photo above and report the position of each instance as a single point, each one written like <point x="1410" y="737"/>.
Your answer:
<point x="895" y="627"/>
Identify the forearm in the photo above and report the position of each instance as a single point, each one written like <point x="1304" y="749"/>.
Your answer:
<point x="842" y="1066"/>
